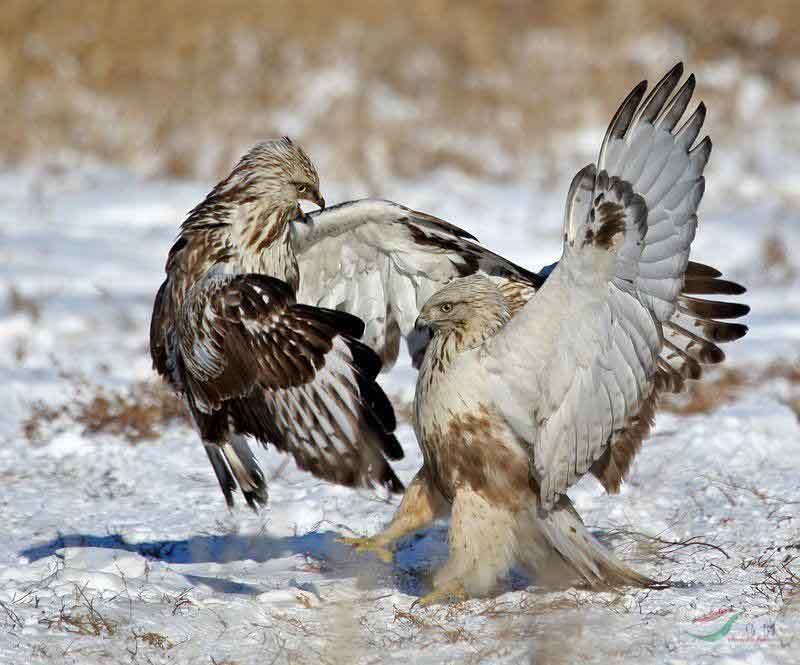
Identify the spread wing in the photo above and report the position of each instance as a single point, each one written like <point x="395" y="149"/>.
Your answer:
<point x="381" y="262"/>
<point x="291" y="375"/>
<point x="577" y="372"/>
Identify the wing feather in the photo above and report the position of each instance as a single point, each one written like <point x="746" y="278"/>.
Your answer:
<point x="382" y="261"/>
<point x="291" y="375"/>
<point x="618" y="319"/>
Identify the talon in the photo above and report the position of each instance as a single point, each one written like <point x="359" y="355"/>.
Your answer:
<point x="452" y="592"/>
<point x="369" y="545"/>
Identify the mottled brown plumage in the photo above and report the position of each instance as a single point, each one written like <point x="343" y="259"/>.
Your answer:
<point x="249" y="360"/>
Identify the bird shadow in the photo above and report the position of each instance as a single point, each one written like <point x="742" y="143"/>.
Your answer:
<point x="410" y="572"/>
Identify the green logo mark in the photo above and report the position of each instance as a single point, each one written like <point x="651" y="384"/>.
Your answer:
<point x="718" y="634"/>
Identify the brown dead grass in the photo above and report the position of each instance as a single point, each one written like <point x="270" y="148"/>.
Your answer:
<point x="776" y="258"/>
<point x="80" y="623"/>
<point x="707" y="394"/>
<point x="155" y="640"/>
<point x="440" y="622"/>
<point x="726" y="384"/>
<point x="182" y="87"/>
<point x="22" y="304"/>
<point x="138" y="413"/>
<point x="82" y="618"/>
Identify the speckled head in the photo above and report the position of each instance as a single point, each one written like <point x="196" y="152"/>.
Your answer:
<point x="278" y="171"/>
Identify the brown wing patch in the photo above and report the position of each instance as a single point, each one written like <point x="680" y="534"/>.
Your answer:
<point x="158" y="334"/>
<point x="610" y="218"/>
<point x="516" y="294"/>
<point x="690" y="342"/>
<point x="615" y="462"/>
<point x="470" y="263"/>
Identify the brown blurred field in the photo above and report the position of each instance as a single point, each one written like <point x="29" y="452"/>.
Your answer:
<point x="182" y="87"/>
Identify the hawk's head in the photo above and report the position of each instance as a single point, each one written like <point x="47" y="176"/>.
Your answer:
<point x="472" y="305"/>
<point x="278" y="172"/>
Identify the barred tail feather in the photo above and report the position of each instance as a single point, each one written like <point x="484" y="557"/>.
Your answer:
<point x="236" y="468"/>
<point x="583" y="555"/>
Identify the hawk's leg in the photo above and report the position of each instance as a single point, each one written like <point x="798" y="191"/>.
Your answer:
<point x="451" y="592"/>
<point x="422" y="503"/>
<point x="483" y="545"/>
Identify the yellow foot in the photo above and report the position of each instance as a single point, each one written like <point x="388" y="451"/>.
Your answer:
<point x="369" y="545"/>
<point x="452" y="592"/>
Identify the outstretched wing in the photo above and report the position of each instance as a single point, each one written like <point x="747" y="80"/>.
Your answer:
<point x="291" y="375"/>
<point x="577" y="372"/>
<point x="381" y="262"/>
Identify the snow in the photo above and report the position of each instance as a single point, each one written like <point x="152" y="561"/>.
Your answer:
<point x="116" y="552"/>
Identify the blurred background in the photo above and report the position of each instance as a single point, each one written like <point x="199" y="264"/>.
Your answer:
<point x="372" y="89"/>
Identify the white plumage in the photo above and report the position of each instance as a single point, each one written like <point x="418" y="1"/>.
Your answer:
<point x="382" y="261"/>
<point x="512" y="408"/>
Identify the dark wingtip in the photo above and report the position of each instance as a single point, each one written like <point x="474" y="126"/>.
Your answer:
<point x="701" y="270"/>
<point x="256" y="498"/>
<point x="712" y="309"/>
<point x="365" y="359"/>
<point x="343" y="322"/>
<point x="379" y="409"/>
<point x="391" y="482"/>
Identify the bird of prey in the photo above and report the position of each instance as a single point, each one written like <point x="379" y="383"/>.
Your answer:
<point x="259" y="319"/>
<point x="513" y="405"/>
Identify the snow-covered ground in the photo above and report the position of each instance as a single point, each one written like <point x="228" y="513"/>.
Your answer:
<point x="113" y="552"/>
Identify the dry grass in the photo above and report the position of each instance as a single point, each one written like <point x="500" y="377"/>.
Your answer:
<point x="181" y="87"/>
<point x="82" y="618"/>
<point x="776" y="258"/>
<point x="436" y="621"/>
<point x="136" y="414"/>
<point x="724" y="385"/>
<point x="19" y="303"/>
<point x="155" y="640"/>
<point x="707" y="394"/>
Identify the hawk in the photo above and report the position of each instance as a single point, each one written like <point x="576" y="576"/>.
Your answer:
<point x="273" y="324"/>
<point x="514" y="404"/>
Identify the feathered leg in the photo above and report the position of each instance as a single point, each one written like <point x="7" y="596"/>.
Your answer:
<point x="422" y="503"/>
<point x="482" y="548"/>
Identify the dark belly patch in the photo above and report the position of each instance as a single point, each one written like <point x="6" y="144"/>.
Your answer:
<point x="471" y="452"/>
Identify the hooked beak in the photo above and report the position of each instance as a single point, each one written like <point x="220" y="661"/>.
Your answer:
<point x="417" y="341"/>
<point x="315" y="197"/>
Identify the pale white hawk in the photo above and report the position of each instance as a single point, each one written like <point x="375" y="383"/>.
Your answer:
<point x="514" y="404"/>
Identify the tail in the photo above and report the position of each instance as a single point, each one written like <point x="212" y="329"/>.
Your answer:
<point x="235" y="466"/>
<point x="580" y="554"/>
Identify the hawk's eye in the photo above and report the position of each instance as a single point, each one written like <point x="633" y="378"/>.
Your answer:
<point x="301" y="189"/>
<point x="446" y="307"/>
